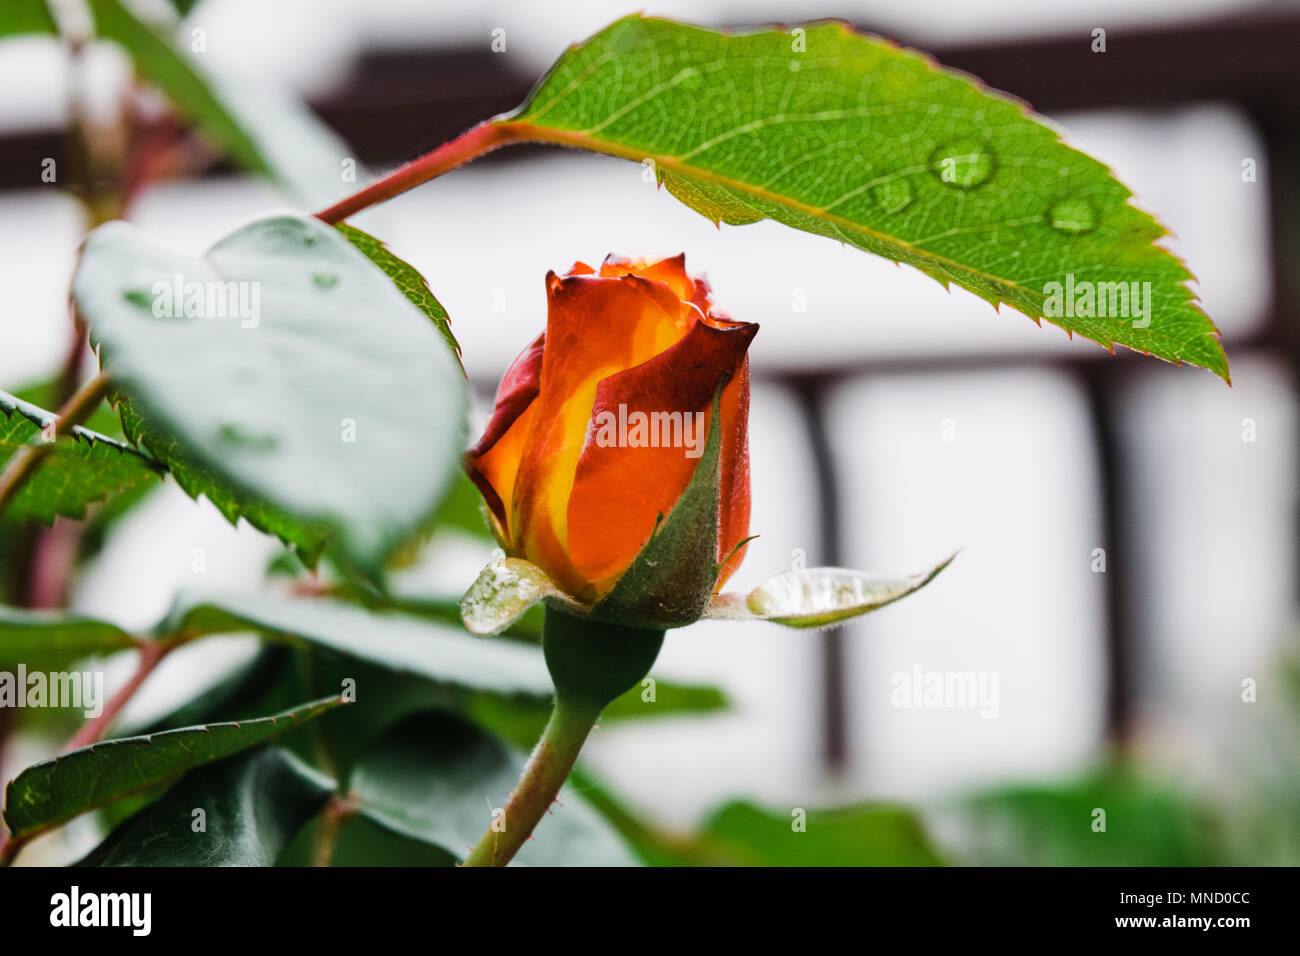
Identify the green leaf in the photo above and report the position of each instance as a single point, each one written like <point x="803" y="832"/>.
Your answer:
<point x="522" y="721"/>
<point x="671" y="580"/>
<point x="253" y="804"/>
<point x="51" y="636"/>
<point x="54" y="791"/>
<point x="850" y="137"/>
<point x="1147" y="823"/>
<point x="83" y="467"/>
<point x="362" y="843"/>
<point x="820" y="597"/>
<point x="159" y="62"/>
<point x="462" y="509"/>
<point x="323" y="408"/>
<point x="439" y="779"/>
<point x="405" y="276"/>
<point x="397" y="642"/>
<point x="26" y="16"/>
<point x="261" y="127"/>
<point x="872" y="835"/>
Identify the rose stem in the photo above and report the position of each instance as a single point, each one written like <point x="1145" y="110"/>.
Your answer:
<point x="469" y="145"/>
<point x="544" y="774"/>
<point x="591" y="663"/>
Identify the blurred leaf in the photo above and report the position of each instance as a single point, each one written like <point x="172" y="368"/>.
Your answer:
<point x="438" y="778"/>
<point x="850" y="137"/>
<point x="1146" y="825"/>
<point x="54" y="791"/>
<point x="398" y="642"/>
<point x="83" y="467"/>
<point x="26" y="16"/>
<point x="872" y="835"/>
<point x="462" y="509"/>
<point x="50" y="637"/>
<point x="820" y="597"/>
<point x="184" y="7"/>
<point x="158" y="61"/>
<point x="253" y="804"/>
<point x="653" y="845"/>
<point x="362" y="843"/>
<point x="521" y="721"/>
<point x="409" y="281"/>
<point x="335" y="418"/>
<point x="261" y="127"/>
<point x="103" y="520"/>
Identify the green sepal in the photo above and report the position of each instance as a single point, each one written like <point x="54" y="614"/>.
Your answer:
<point x="671" y="582"/>
<point x="593" y="662"/>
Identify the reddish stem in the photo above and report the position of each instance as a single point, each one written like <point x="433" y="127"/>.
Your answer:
<point x="92" y="731"/>
<point x="481" y="139"/>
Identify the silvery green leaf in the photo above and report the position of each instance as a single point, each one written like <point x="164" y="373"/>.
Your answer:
<point x="503" y="591"/>
<point x="820" y="597"/>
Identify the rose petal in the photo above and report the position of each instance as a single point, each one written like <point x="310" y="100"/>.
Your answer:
<point x="671" y="272"/>
<point x="595" y="327"/>
<point x="493" y="463"/>
<point x="620" y="492"/>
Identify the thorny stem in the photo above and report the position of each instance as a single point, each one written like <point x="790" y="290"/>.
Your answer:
<point x="544" y="774"/>
<point x="337" y="811"/>
<point x="28" y="458"/>
<point x="92" y="731"/>
<point x="470" y="145"/>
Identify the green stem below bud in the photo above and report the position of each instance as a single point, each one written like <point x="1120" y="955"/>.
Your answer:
<point x="591" y="663"/>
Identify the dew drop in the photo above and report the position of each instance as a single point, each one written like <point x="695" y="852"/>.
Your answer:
<point x="892" y="196"/>
<point x="235" y="434"/>
<point x="1075" y="215"/>
<point x="325" y="280"/>
<point x="963" y="163"/>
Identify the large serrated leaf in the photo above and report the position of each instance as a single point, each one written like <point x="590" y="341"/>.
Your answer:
<point x="324" y="407"/>
<point x="82" y="468"/>
<point x="52" y="636"/>
<point x="438" y="778"/>
<point x="253" y="804"/>
<point x="850" y="137"/>
<point x="56" y="790"/>
<point x="398" y="642"/>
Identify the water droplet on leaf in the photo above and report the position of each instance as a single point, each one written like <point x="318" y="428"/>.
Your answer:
<point x="963" y="163"/>
<point x="1074" y="216"/>
<point x="233" y="433"/>
<point x="892" y="196"/>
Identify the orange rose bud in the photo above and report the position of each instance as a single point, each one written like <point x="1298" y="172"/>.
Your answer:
<point x="599" y="424"/>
